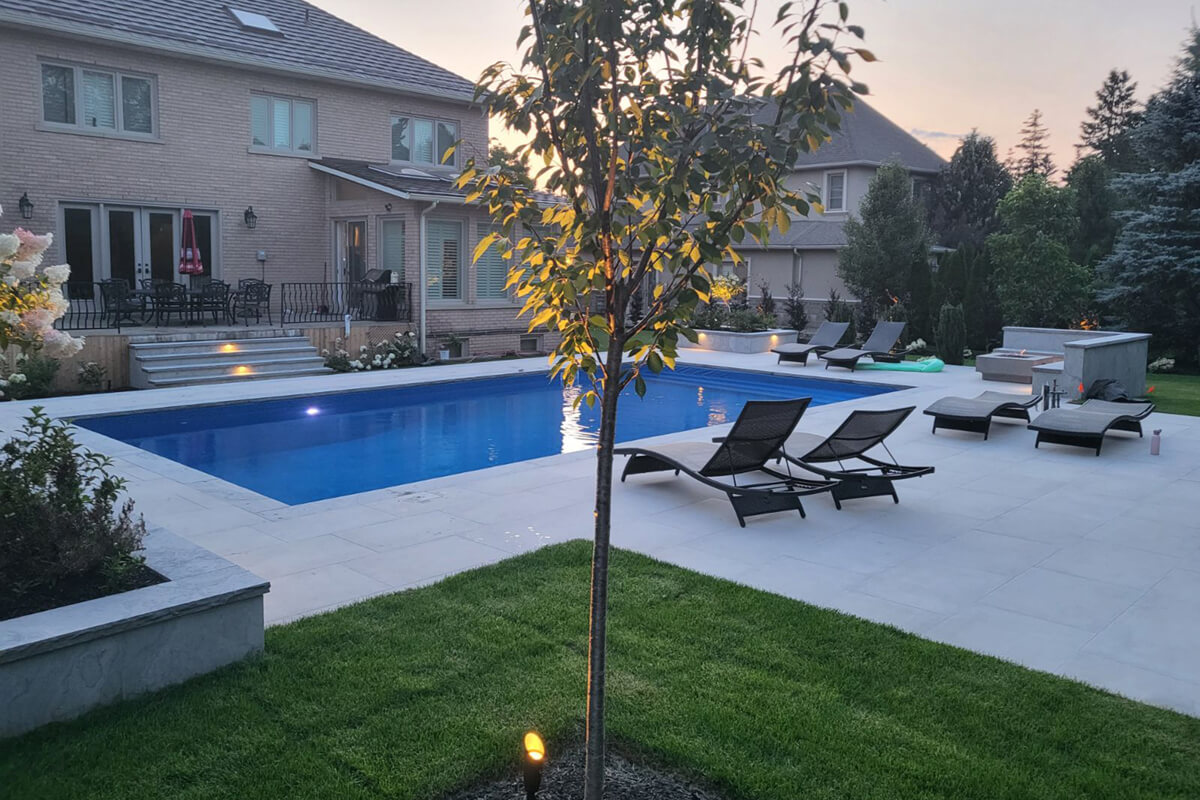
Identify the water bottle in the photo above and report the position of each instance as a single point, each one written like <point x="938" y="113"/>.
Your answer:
<point x="1155" y="441"/>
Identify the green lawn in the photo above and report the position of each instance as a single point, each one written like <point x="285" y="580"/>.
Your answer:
<point x="415" y="694"/>
<point x="1175" y="394"/>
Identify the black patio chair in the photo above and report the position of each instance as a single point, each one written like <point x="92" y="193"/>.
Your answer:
<point x="171" y="298"/>
<point x="757" y="437"/>
<point x="215" y="299"/>
<point x="252" y="299"/>
<point x="118" y="303"/>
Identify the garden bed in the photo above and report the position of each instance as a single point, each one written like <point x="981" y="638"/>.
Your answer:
<point x="427" y="692"/>
<point x="60" y="663"/>
<point x="77" y="590"/>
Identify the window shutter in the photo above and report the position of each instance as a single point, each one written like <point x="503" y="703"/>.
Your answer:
<point x="281" y="123"/>
<point x="393" y="246"/>
<point x="99" y="100"/>
<point x="135" y="105"/>
<point x="400" y="150"/>
<point x="443" y="259"/>
<point x="447" y="134"/>
<point x="260" y="121"/>
<point x="491" y="270"/>
<point x="58" y="94"/>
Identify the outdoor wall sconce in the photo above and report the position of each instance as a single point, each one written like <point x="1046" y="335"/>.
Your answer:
<point x="534" y="760"/>
<point x="251" y="218"/>
<point x="26" y="206"/>
<point x="388" y="207"/>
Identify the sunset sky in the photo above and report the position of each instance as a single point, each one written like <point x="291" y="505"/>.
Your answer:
<point x="945" y="66"/>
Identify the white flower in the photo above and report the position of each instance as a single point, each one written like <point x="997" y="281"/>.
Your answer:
<point x="22" y="270"/>
<point x="356" y="364"/>
<point x="57" y="344"/>
<point x="9" y="244"/>
<point x="58" y="273"/>
<point x="10" y="318"/>
<point x="9" y="279"/>
<point x="16" y="378"/>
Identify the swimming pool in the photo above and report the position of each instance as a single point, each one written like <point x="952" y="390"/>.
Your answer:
<point x="302" y="449"/>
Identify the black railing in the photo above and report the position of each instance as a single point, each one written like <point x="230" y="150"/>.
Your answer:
<point x="331" y="302"/>
<point x="87" y="309"/>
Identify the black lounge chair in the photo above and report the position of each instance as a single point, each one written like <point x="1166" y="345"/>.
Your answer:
<point x="878" y="346"/>
<point x="756" y="438"/>
<point x="861" y="431"/>
<point x="825" y="339"/>
<point x="1086" y="425"/>
<point x="974" y="414"/>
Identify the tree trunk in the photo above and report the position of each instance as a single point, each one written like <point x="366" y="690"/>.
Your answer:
<point x="598" y="618"/>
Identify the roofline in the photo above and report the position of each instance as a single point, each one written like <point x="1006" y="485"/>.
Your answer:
<point x="776" y="246"/>
<point x="74" y="30"/>
<point x="861" y="163"/>
<point x="379" y="187"/>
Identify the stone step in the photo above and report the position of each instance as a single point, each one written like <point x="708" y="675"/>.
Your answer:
<point x="302" y="347"/>
<point x="225" y="366"/>
<point x="279" y="372"/>
<point x="222" y="345"/>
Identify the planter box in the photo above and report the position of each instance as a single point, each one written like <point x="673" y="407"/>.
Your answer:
<point x="733" y="342"/>
<point x="57" y="664"/>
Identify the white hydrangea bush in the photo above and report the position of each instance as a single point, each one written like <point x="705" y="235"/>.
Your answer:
<point x="31" y="301"/>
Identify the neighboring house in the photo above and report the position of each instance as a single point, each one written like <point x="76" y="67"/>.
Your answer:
<point x="839" y="172"/>
<point x="120" y="116"/>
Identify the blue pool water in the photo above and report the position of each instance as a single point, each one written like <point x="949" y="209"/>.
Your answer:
<point x="312" y="448"/>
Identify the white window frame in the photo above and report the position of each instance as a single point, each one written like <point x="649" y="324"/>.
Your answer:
<point x="291" y="150"/>
<point x="412" y="118"/>
<point x="79" y="126"/>
<point x="463" y="259"/>
<point x="845" y="192"/>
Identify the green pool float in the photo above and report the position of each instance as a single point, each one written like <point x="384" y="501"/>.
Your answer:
<point x="932" y="364"/>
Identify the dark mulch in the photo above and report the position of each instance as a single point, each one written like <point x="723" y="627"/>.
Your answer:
<point x="88" y="586"/>
<point x="623" y="780"/>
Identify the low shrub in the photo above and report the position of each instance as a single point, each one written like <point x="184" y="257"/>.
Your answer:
<point x="748" y="320"/>
<point x="57" y="517"/>
<point x="33" y="378"/>
<point x="711" y="317"/>
<point x="400" y="350"/>
<point x="91" y="376"/>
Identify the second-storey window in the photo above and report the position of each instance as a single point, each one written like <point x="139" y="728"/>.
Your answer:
<point x="97" y="100"/>
<point x="835" y="191"/>
<point x="423" y="141"/>
<point x="282" y="123"/>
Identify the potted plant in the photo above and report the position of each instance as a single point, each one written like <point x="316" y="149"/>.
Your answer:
<point x="451" y="348"/>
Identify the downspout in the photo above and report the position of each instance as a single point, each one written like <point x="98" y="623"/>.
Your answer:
<point x="422" y="289"/>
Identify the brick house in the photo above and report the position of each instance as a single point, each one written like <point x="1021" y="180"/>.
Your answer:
<point x="307" y="150"/>
<point x="839" y="171"/>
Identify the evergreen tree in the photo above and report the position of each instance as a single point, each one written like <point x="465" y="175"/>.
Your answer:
<point x="1154" y="269"/>
<point x="1036" y="281"/>
<point x="1095" y="204"/>
<point x="1034" y="158"/>
<point x="1106" y="131"/>
<point x="509" y="163"/>
<point x="887" y="247"/>
<point x="964" y="197"/>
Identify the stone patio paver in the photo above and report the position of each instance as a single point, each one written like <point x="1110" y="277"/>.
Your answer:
<point x="1054" y="558"/>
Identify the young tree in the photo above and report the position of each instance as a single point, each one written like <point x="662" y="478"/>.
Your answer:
<point x="965" y="195"/>
<point x="1105" y="132"/>
<point x="1095" y="205"/>
<point x="1154" y="269"/>
<point x="887" y="246"/>
<point x="508" y="162"/>
<point x="1034" y="153"/>
<point x="1036" y="281"/>
<point x="668" y="144"/>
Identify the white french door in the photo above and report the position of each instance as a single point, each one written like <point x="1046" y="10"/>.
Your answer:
<point x="350" y="249"/>
<point x="140" y="243"/>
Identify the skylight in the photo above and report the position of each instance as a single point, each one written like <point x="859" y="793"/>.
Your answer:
<point x="255" y="22"/>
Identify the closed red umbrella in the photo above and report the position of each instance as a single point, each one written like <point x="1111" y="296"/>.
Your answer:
<point x="189" y="253"/>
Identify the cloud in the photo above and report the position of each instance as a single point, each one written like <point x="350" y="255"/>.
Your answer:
<point x="924" y="134"/>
